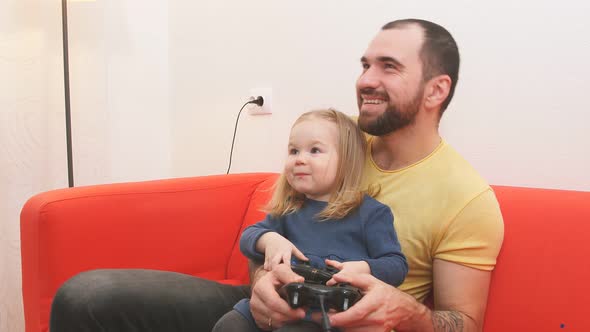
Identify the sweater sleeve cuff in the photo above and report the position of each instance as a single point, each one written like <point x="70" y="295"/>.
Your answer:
<point x="249" y="249"/>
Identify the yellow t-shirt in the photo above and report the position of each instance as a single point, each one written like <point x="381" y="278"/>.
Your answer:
<point x="442" y="209"/>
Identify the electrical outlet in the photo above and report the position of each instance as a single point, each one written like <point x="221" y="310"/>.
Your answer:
<point x="266" y="108"/>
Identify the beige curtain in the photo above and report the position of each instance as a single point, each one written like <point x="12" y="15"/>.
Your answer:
<point x="32" y="139"/>
<point x="120" y="108"/>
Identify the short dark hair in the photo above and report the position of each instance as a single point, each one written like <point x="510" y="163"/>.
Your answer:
<point x="439" y="53"/>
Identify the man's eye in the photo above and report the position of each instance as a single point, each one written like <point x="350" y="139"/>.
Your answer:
<point x="315" y="150"/>
<point x="389" y="66"/>
<point x="293" y="151"/>
<point x="365" y="66"/>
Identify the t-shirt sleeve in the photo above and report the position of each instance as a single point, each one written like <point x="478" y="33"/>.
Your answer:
<point x="253" y="232"/>
<point x="474" y="237"/>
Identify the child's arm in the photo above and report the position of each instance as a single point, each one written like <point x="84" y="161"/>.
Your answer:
<point x="387" y="262"/>
<point x="263" y="241"/>
<point x="277" y="249"/>
<point x="252" y="233"/>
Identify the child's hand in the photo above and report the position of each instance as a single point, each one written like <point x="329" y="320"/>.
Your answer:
<point x="354" y="267"/>
<point x="277" y="250"/>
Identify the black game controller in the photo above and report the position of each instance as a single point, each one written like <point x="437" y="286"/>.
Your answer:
<point x="312" y="274"/>
<point x="339" y="297"/>
<point x="314" y="292"/>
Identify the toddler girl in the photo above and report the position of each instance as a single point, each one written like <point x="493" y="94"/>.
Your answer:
<point x="318" y="213"/>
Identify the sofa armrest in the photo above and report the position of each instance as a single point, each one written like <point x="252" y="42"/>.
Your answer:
<point x="187" y="225"/>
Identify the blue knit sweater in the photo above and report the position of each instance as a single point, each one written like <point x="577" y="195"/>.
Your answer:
<point x="366" y="234"/>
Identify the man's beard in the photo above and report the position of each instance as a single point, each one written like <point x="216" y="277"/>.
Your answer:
<point x="394" y="118"/>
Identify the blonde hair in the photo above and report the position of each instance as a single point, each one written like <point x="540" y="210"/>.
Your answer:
<point x="347" y="194"/>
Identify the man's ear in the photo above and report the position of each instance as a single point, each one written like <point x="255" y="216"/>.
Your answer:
<point x="436" y="91"/>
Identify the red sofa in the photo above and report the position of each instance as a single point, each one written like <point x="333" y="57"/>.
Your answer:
<point x="192" y="225"/>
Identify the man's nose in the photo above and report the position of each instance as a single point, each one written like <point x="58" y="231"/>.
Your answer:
<point x="368" y="80"/>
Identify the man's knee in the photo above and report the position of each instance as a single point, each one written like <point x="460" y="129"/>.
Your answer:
<point x="82" y="295"/>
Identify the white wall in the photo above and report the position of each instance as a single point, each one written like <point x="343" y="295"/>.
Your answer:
<point x="519" y="114"/>
<point x="156" y="87"/>
<point x="120" y="90"/>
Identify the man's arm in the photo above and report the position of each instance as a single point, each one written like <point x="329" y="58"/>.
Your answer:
<point x="460" y="302"/>
<point x="460" y="297"/>
<point x="461" y="292"/>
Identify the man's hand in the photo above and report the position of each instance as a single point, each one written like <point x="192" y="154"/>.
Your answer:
<point x="460" y="297"/>
<point x="269" y="310"/>
<point x="277" y="250"/>
<point x="382" y="307"/>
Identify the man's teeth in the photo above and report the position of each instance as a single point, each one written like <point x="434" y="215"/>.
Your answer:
<point x="373" y="101"/>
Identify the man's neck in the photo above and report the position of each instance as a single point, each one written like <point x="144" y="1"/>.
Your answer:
<point x="404" y="147"/>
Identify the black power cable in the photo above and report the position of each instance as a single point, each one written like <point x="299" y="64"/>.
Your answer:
<point x="258" y="101"/>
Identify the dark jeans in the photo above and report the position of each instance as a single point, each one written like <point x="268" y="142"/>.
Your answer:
<point x="141" y="300"/>
<point x="234" y="321"/>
